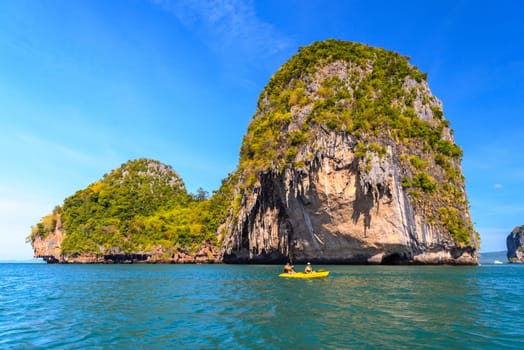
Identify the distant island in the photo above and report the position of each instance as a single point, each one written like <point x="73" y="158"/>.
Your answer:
<point x="348" y="159"/>
<point x="515" y="245"/>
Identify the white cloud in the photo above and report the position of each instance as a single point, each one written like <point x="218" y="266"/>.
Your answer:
<point x="498" y="186"/>
<point x="228" y="27"/>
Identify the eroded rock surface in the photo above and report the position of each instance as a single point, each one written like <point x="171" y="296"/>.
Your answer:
<point x="332" y="192"/>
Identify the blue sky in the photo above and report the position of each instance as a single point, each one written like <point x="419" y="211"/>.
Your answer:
<point x="87" y="85"/>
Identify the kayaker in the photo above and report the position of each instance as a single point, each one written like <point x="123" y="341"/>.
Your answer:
<point x="289" y="268"/>
<point x="309" y="268"/>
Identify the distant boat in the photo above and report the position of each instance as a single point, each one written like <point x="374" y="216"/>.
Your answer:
<point x="498" y="262"/>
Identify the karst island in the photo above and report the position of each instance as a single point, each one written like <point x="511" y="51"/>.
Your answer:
<point x="348" y="159"/>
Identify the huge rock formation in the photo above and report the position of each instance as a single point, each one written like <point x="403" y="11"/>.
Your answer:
<point x="515" y="245"/>
<point x="349" y="159"/>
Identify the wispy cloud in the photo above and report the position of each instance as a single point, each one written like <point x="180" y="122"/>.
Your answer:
<point x="498" y="186"/>
<point x="62" y="151"/>
<point x="228" y="27"/>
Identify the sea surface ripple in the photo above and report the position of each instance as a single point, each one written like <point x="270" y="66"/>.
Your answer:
<point x="250" y="307"/>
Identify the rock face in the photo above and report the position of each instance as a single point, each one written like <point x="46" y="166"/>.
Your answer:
<point x="48" y="247"/>
<point x="348" y="159"/>
<point x="515" y="245"/>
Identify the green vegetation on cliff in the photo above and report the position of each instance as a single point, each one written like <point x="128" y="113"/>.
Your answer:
<point x="379" y="99"/>
<point x="142" y="206"/>
<point x="47" y="225"/>
<point x="372" y="102"/>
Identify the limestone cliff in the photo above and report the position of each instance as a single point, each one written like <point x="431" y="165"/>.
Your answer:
<point x="47" y="246"/>
<point x="515" y="245"/>
<point x="349" y="159"/>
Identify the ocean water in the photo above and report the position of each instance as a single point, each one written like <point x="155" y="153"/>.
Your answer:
<point x="250" y="307"/>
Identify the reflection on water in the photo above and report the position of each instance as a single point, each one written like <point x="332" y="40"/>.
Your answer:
<point x="223" y="306"/>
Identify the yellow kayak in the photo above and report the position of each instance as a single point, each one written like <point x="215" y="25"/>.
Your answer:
<point x="316" y="274"/>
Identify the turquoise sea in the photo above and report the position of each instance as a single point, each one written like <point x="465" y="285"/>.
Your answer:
<point x="249" y="307"/>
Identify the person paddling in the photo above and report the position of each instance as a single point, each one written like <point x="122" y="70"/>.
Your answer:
<point x="309" y="268"/>
<point x="289" y="268"/>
